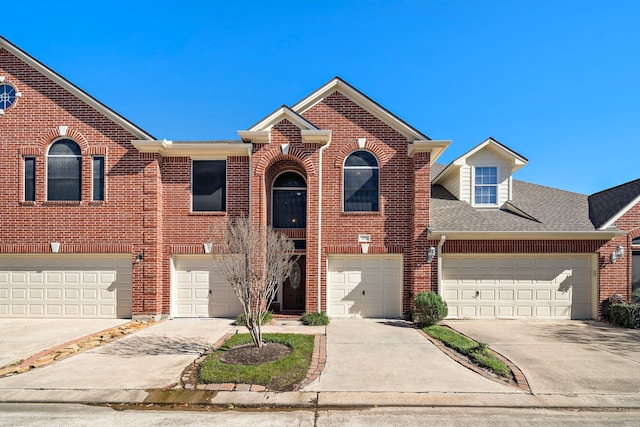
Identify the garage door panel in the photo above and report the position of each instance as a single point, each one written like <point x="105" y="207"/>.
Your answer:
<point x="201" y="290"/>
<point x="65" y="286"/>
<point x="365" y="286"/>
<point x="550" y="286"/>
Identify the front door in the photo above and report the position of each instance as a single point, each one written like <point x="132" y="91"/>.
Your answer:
<point x="293" y="292"/>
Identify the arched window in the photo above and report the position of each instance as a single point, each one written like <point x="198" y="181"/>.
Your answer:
<point x="64" y="171"/>
<point x="289" y="201"/>
<point x="361" y="182"/>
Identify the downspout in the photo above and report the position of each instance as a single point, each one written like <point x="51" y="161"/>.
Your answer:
<point x="324" y="147"/>
<point x="440" y="245"/>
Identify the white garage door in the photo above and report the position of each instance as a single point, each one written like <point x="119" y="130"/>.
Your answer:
<point x="364" y="286"/>
<point x="528" y="286"/>
<point x="201" y="291"/>
<point x="63" y="285"/>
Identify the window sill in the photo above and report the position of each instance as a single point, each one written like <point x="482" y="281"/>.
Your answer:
<point x="208" y="213"/>
<point x="362" y="213"/>
<point x="62" y="202"/>
<point x="25" y="203"/>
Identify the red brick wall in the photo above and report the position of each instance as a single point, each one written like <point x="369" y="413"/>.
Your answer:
<point x="615" y="278"/>
<point x="113" y="226"/>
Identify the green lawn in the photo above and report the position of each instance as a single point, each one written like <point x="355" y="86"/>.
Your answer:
<point x="280" y="375"/>
<point x="477" y="352"/>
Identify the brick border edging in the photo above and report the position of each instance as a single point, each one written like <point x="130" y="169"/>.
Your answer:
<point x="56" y="353"/>
<point x="318" y="362"/>
<point x="521" y="380"/>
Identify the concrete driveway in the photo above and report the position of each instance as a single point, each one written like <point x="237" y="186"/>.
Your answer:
<point x="22" y="338"/>
<point x="151" y="358"/>
<point x="569" y="357"/>
<point x="376" y="355"/>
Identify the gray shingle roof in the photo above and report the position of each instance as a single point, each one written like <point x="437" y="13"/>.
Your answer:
<point x="554" y="210"/>
<point x="605" y="204"/>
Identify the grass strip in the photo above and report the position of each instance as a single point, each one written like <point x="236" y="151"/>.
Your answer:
<point x="280" y="375"/>
<point x="478" y="353"/>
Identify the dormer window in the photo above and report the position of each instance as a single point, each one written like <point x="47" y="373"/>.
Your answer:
<point x="486" y="185"/>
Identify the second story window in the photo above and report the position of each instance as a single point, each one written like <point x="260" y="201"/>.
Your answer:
<point x="486" y="185"/>
<point x="208" y="185"/>
<point x="98" y="178"/>
<point x="64" y="171"/>
<point x="29" y="179"/>
<point x="361" y="182"/>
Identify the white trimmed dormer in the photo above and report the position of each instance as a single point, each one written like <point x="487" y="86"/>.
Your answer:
<point x="482" y="177"/>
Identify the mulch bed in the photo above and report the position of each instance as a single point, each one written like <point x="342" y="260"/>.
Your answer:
<point x="248" y="354"/>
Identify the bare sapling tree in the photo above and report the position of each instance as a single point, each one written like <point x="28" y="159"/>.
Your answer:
<point x="256" y="262"/>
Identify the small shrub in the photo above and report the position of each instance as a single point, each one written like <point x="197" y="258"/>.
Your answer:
<point x="635" y="296"/>
<point x="241" y="320"/>
<point x="315" y="319"/>
<point x="625" y="315"/>
<point x="428" y="309"/>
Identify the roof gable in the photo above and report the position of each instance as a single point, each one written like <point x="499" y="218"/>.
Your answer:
<point x="607" y="206"/>
<point x="261" y="131"/>
<point x="515" y="160"/>
<point x="73" y="89"/>
<point x="362" y="100"/>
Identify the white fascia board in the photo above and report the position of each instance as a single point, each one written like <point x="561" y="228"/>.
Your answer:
<point x="195" y="150"/>
<point x="259" y="137"/>
<point x="617" y="216"/>
<point x="75" y="90"/>
<point x="347" y="90"/>
<point x="436" y="148"/>
<point x="528" y="235"/>
<point x="280" y="114"/>
<point x="321" y="137"/>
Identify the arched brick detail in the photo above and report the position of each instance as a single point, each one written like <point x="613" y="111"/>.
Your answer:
<point x="53" y="134"/>
<point x="351" y="147"/>
<point x="633" y="234"/>
<point x="275" y="155"/>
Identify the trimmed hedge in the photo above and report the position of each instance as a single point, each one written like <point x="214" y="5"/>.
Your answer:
<point x="428" y="309"/>
<point x="625" y="315"/>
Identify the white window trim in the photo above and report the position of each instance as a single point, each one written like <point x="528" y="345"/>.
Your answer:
<point x="473" y="186"/>
<point x="226" y="185"/>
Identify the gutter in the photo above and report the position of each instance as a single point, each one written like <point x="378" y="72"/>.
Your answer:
<point x="440" y="245"/>
<point x="324" y="147"/>
<point x="529" y="235"/>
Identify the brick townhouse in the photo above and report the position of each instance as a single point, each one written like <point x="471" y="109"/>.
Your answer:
<point x="98" y="218"/>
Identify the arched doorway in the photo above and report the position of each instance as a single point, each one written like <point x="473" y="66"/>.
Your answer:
<point x="289" y="211"/>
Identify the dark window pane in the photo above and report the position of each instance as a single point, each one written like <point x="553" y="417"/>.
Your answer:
<point x="636" y="241"/>
<point x="361" y="190"/>
<point x="289" y="179"/>
<point x="289" y="208"/>
<point x="30" y="179"/>
<point x="361" y="158"/>
<point x="63" y="178"/>
<point x="300" y="245"/>
<point x="65" y="147"/>
<point x="209" y="185"/>
<point x="98" y="178"/>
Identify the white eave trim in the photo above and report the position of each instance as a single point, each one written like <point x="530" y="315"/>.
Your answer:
<point x="363" y="101"/>
<point x="321" y="137"/>
<point x="195" y="150"/>
<point x="73" y="89"/>
<point x="528" y="235"/>
<point x="436" y="148"/>
<point x="279" y="115"/>
<point x="258" y="137"/>
<point x="617" y="216"/>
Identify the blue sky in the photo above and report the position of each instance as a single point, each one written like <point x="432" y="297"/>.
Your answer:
<point x="556" y="81"/>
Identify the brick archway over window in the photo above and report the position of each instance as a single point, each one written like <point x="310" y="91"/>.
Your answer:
<point x="63" y="132"/>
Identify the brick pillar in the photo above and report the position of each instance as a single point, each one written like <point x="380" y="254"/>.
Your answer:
<point x="420" y="270"/>
<point x="147" y="275"/>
